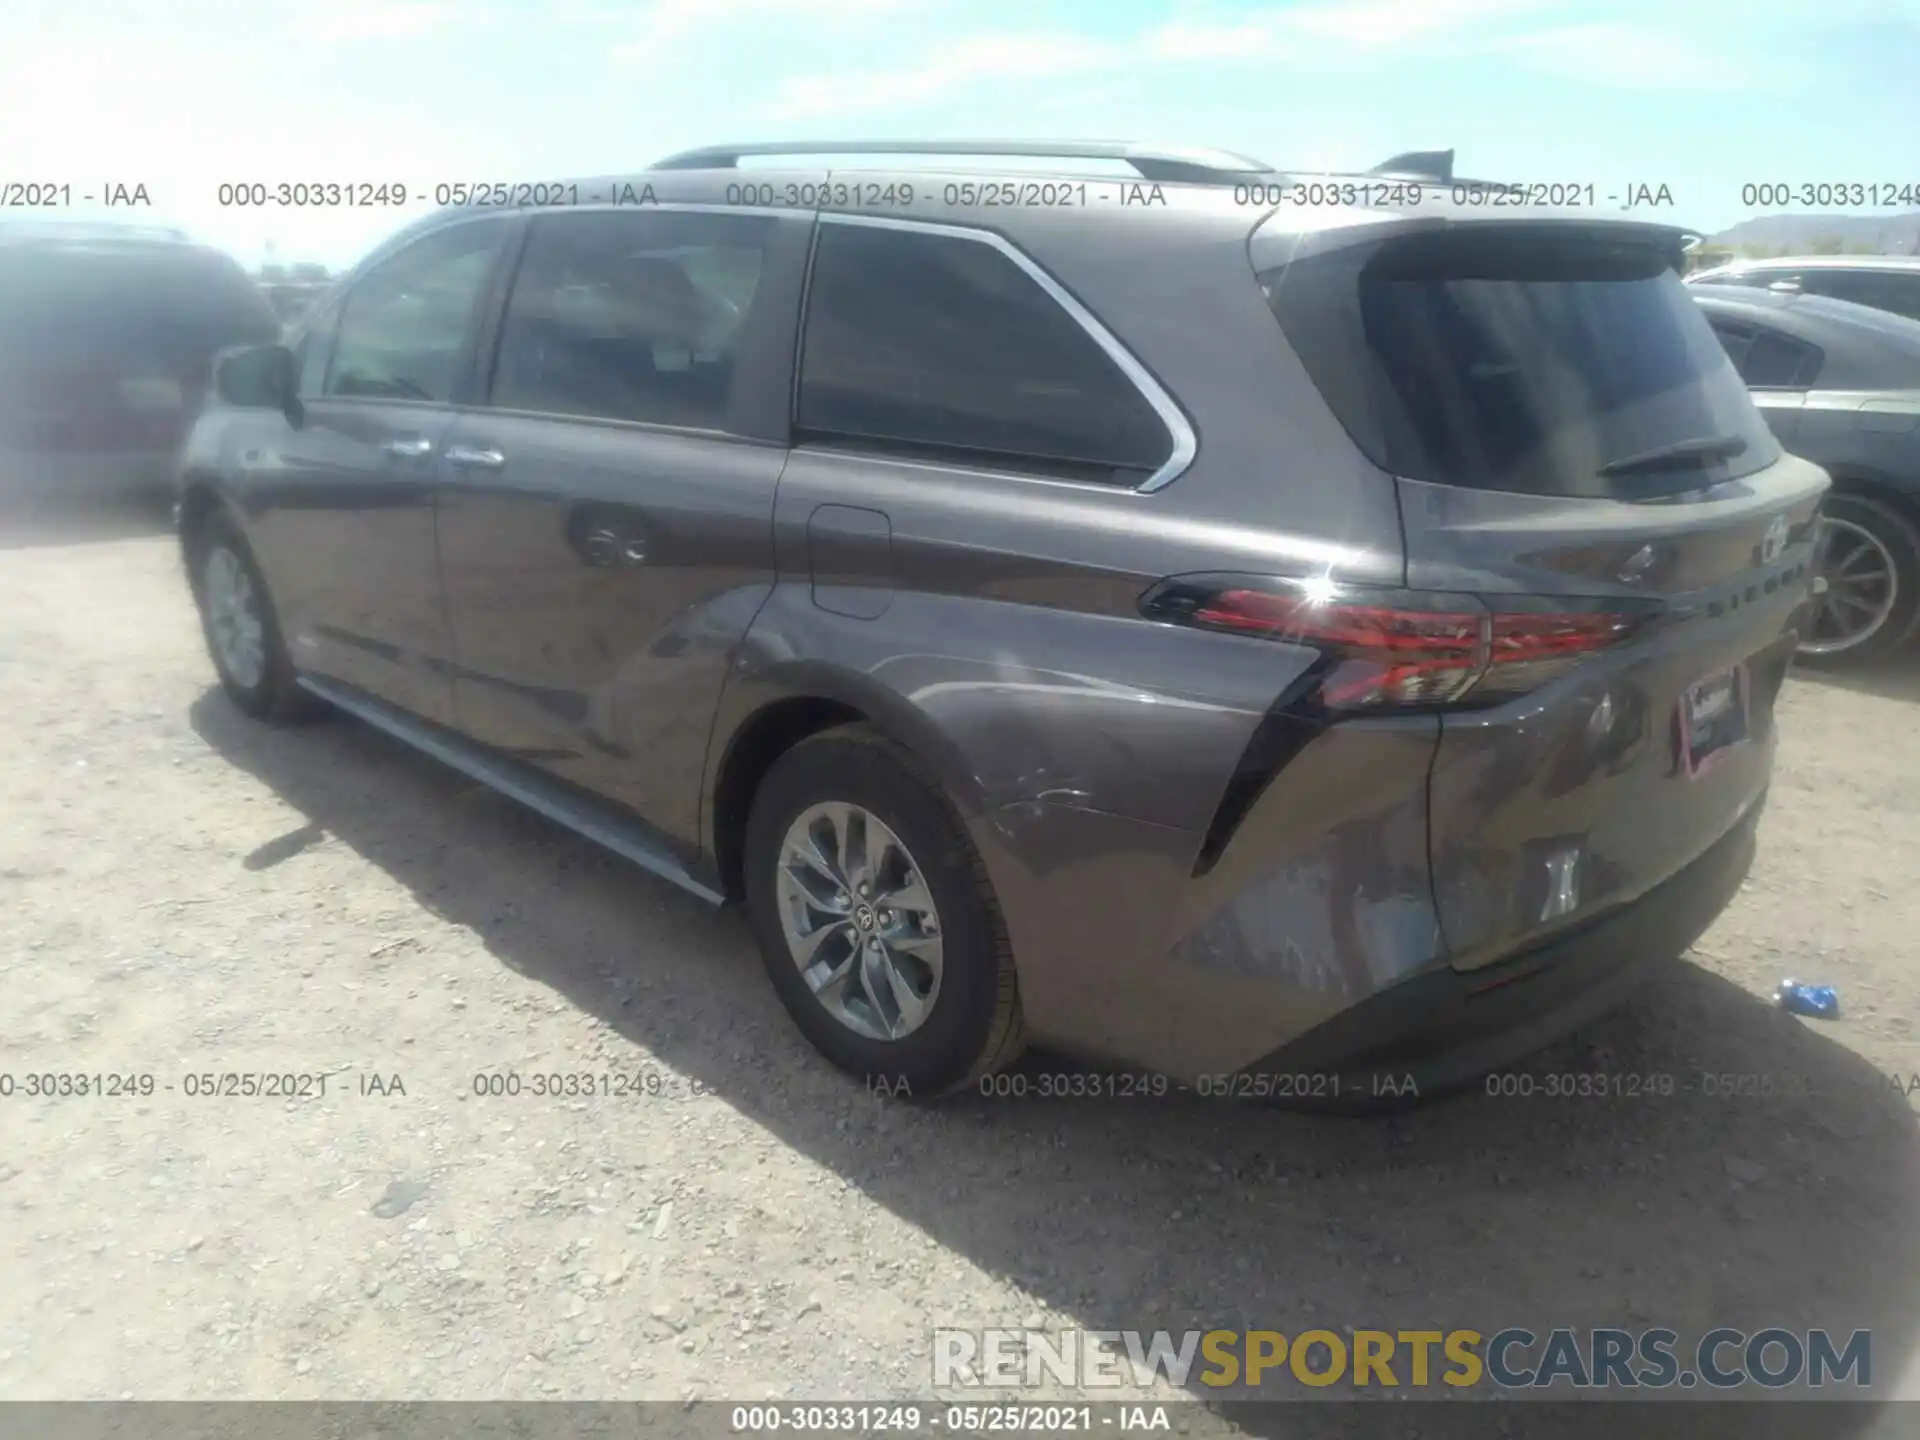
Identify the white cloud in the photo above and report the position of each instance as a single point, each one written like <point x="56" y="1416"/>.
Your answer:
<point x="1209" y="42"/>
<point x="186" y="95"/>
<point x="347" y="20"/>
<point x="1395" y="22"/>
<point x="181" y="114"/>
<point x="1646" y="50"/>
<point x="1647" y="56"/>
<point x="666" y="22"/>
<point x="978" y="59"/>
<point x="1322" y="31"/>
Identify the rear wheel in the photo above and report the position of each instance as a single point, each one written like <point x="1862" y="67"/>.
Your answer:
<point x="243" y="633"/>
<point x="875" y="919"/>
<point x="1868" y="560"/>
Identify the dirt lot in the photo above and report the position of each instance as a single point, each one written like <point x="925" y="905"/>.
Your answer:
<point x="184" y="892"/>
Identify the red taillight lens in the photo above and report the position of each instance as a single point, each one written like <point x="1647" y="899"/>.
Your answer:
<point x="1398" y="649"/>
<point x="1385" y="655"/>
<point x="1527" y="649"/>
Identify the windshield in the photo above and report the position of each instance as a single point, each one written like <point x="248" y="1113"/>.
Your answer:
<point x="1515" y="362"/>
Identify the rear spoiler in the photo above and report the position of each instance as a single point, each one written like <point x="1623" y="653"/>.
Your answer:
<point x="1280" y="240"/>
<point x="1434" y="167"/>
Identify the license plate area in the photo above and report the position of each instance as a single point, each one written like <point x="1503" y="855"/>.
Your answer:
<point x="1712" y="717"/>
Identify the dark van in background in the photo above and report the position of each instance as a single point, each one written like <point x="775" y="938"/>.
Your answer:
<point x="107" y="339"/>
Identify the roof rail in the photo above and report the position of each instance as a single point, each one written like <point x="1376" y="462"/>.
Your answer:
<point x="1151" y="162"/>
<point x="1419" y="165"/>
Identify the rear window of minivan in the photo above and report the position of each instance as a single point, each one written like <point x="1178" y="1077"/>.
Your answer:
<point x="1519" y="362"/>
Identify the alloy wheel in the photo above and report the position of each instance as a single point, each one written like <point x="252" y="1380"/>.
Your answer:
<point x="1862" y="588"/>
<point x="233" y="617"/>
<point x="859" y="920"/>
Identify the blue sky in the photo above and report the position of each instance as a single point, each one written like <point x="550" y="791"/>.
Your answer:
<point x="181" y="96"/>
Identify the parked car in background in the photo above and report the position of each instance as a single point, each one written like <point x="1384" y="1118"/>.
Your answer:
<point x="1184" y="632"/>
<point x="107" y="339"/>
<point x="1883" y="282"/>
<point x="1840" y="385"/>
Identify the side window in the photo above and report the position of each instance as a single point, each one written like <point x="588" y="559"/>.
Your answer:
<point x="404" y="326"/>
<point x="1893" y="292"/>
<point x="636" y="316"/>
<point x="313" y="353"/>
<point x="1827" y="282"/>
<point x="1734" y="339"/>
<point x="1900" y="293"/>
<point x="1773" y="362"/>
<point x="925" y="342"/>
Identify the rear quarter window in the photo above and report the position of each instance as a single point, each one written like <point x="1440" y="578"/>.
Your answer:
<point x="1766" y="359"/>
<point x="945" y="346"/>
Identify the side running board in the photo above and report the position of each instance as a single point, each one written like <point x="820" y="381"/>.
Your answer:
<point x="599" y="821"/>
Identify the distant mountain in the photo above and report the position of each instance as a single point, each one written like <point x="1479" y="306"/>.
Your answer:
<point x="1801" y="234"/>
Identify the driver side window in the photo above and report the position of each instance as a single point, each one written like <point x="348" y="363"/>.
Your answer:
<point x="404" y="327"/>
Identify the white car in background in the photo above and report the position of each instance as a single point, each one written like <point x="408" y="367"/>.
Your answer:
<point x="1883" y="282"/>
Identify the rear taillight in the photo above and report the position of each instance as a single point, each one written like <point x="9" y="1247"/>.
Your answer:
<point x="1402" y="649"/>
<point x="1527" y="649"/>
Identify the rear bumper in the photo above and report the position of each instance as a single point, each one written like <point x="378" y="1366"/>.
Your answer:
<point x="1444" y="1028"/>
<point x="1311" y="958"/>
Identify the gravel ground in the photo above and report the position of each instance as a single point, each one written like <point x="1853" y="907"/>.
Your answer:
<point x="185" y="892"/>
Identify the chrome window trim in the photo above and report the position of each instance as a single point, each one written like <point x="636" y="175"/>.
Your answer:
<point x="1179" y="430"/>
<point x="987" y="469"/>
<point x="615" y="422"/>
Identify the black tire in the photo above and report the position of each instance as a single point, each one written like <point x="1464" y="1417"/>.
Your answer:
<point x="974" y="1027"/>
<point x="275" y="696"/>
<point x="1896" y="535"/>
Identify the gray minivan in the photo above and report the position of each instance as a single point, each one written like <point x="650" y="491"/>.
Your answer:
<point x="1295" y="635"/>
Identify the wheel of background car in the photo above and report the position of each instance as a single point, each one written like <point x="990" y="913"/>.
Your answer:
<point x="242" y="631"/>
<point x="1868" y="557"/>
<point x="875" y="917"/>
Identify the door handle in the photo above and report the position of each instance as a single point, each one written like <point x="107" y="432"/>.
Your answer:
<point x="411" y="448"/>
<point x="468" y="458"/>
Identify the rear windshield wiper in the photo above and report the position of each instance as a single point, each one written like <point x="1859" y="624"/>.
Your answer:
<point x="1681" y="452"/>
